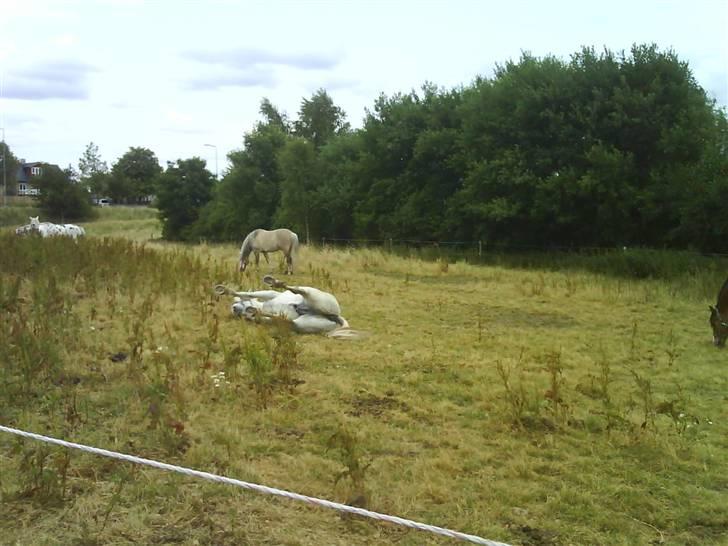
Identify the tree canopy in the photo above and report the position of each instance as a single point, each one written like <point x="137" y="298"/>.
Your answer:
<point x="93" y="171"/>
<point x="134" y="175"/>
<point x="60" y="198"/>
<point x="603" y="149"/>
<point x="9" y="166"/>
<point x="182" y="190"/>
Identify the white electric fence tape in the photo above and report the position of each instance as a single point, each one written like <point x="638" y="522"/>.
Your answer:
<point x="260" y="488"/>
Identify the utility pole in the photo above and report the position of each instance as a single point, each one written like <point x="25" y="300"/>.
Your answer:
<point x="2" y="120"/>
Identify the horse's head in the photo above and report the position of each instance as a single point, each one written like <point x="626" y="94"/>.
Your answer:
<point x="719" y="325"/>
<point x="243" y="262"/>
<point x="245" y="250"/>
<point x="719" y="316"/>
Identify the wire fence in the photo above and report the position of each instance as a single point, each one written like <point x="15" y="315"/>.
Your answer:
<point x="258" y="488"/>
<point x="480" y="247"/>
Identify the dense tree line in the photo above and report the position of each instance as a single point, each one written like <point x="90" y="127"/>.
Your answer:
<point x="605" y="149"/>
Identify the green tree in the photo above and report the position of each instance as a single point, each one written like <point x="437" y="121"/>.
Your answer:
<point x="319" y="119"/>
<point x="410" y="165"/>
<point x="182" y="190"/>
<point x="590" y="152"/>
<point x="134" y="175"/>
<point x="273" y="117"/>
<point x="93" y="171"/>
<point x="300" y="174"/>
<point x="10" y="165"/>
<point x="249" y="194"/>
<point x="59" y="197"/>
<point x="703" y="223"/>
<point x="340" y="170"/>
<point x="119" y="187"/>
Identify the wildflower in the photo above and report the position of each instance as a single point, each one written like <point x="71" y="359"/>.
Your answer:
<point x="218" y="379"/>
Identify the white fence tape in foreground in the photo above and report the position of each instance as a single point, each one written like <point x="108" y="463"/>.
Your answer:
<point x="258" y="488"/>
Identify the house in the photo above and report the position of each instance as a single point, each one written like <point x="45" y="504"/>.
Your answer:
<point x="25" y="175"/>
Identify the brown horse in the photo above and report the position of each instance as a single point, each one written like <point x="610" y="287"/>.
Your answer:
<point x="261" y="240"/>
<point x="719" y="317"/>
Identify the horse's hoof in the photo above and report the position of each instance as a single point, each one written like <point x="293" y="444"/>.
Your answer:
<point x="271" y="281"/>
<point x="220" y="290"/>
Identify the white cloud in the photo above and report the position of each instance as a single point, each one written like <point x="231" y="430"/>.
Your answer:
<point x="164" y="75"/>
<point x="65" y="40"/>
<point x="60" y="79"/>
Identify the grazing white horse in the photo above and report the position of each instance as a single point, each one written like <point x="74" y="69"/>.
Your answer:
<point x="263" y="241"/>
<point x="47" y="229"/>
<point x="308" y="310"/>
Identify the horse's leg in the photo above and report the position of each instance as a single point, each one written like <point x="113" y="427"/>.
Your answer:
<point x="270" y="280"/>
<point x="262" y="295"/>
<point x="265" y="255"/>
<point x="257" y="258"/>
<point x="289" y="264"/>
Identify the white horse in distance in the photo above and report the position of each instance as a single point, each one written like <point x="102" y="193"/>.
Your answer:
<point x="308" y="310"/>
<point x="263" y="241"/>
<point x="24" y="230"/>
<point x="48" y="229"/>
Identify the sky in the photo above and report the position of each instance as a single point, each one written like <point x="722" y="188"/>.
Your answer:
<point x="185" y="78"/>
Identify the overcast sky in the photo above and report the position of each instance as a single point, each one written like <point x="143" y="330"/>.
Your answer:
<point x="173" y="76"/>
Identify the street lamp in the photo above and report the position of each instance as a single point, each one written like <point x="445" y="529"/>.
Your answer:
<point x="5" y="185"/>
<point x="213" y="146"/>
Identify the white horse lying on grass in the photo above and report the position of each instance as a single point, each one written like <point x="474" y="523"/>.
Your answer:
<point x="47" y="229"/>
<point x="308" y="310"/>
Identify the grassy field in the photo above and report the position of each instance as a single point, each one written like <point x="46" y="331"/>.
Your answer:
<point x="534" y="401"/>
<point x="17" y="211"/>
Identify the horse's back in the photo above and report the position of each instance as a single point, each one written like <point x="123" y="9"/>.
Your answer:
<point x="48" y="229"/>
<point x="272" y="240"/>
<point x="286" y="239"/>
<point x="72" y="230"/>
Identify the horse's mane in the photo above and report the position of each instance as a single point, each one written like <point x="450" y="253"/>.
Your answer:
<point x="722" y="303"/>
<point x="246" y="248"/>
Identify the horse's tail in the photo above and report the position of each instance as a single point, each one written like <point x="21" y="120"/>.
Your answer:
<point x="347" y="333"/>
<point x="294" y="246"/>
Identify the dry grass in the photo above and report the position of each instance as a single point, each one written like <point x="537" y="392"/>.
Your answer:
<point x="521" y="405"/>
